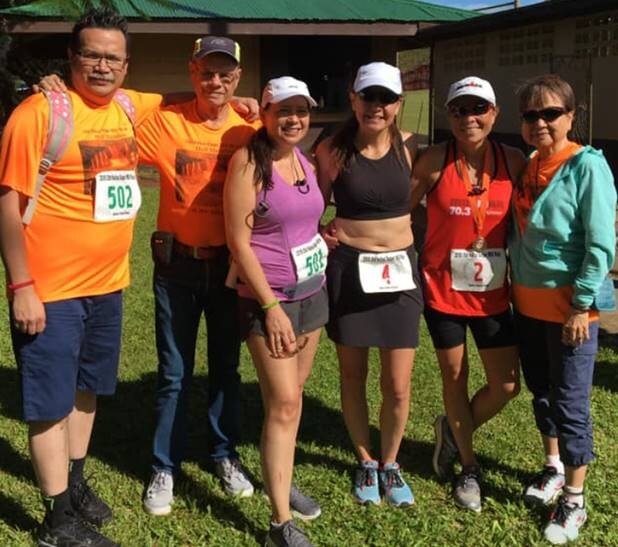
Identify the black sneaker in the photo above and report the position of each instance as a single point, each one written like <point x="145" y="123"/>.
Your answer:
<point x="73" y="532"/>
<point x="88" y="505"/>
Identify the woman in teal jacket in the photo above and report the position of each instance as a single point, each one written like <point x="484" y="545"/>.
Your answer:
<point x="562" y="248"/>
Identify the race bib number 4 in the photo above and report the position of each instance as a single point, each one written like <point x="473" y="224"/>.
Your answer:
<point x="310" y="258"/>
<point x="385" y="272"/>
<point x="477" y="271"/>
<point x="117" y="196"/>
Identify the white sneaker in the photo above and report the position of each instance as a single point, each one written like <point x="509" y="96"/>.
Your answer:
<point x="159" y="494"/>
<point x="565" y="522"/>
<point x="234" y="478"/>
<point x="545" y="487"/>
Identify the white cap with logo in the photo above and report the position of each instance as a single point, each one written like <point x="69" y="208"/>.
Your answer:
<point x="280" y="89"/>
<point x="378" y="74"/>
<point x="472" y="86"/>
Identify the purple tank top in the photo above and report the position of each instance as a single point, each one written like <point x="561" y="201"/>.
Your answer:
<point x="286" y="217"/>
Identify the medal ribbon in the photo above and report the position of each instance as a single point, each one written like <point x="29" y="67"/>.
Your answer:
<point x="478" y="196"/>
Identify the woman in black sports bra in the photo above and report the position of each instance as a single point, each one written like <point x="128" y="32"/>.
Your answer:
<point x="372" y="275"/>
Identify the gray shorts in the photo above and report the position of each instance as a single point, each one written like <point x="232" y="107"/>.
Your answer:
<point x="306" y="315"/>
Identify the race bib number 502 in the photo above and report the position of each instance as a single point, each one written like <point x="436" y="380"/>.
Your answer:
<point x="117" y="196"/>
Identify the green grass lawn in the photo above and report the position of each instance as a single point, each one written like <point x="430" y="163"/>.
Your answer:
<point x="508" y="448"/>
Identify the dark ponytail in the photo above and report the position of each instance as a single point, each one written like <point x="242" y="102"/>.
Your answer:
<point x="261" y="154"/>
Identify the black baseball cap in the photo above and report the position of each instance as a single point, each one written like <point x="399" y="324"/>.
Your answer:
<point x="216" y="44"/>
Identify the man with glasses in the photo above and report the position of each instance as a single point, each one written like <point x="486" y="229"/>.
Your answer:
<point x="191" y="144"/>
<point x="67" y="266"/>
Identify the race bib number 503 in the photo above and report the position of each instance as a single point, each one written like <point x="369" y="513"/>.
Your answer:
<point x="117" y="196"/>
<point x="310" y="258"/>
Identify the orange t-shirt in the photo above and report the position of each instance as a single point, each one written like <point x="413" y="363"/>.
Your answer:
<point x="542" y="303"/>
<point x="69" y="253"/>
<point x="192" y="161"/>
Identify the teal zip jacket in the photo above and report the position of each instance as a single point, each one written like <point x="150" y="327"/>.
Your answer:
<point x="570" y="238"/>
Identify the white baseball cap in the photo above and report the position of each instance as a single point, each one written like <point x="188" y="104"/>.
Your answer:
<point x="378" y="74"/>
<point x="473" y="86"/>
<point x="280" y="89"/>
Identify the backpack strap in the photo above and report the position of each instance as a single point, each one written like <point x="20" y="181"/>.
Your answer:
<point x="125" y="102"/>
<point x="59" y="131"/>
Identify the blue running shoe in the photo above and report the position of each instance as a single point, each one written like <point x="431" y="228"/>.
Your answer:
<point x="366" y="489"/>
<point x="396" y="491"/>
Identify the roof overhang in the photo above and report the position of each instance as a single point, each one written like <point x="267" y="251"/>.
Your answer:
<point x="552" y="10"/>
<point x="234" y="28"/>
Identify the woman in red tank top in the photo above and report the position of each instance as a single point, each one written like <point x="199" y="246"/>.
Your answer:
<point x="468" y="184"/>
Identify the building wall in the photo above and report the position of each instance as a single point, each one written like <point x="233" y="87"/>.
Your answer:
<point x="508" y="57"/>
<point x="160" y="63"/>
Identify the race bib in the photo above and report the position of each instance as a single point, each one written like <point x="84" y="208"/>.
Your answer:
<point x="385" y="272"/>
<point x="477" y="271"/>
<point x="117" y="196"/>
<point x="310" y="258"/>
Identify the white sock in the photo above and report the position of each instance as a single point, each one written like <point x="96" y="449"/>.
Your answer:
<point x="574" y="495"/>
<point x="554" y="461"/>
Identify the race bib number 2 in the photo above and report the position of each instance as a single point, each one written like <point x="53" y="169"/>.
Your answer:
<point x="385" y="272"/>
<point x="477" y="271"/>
<point x="117" y="196"/>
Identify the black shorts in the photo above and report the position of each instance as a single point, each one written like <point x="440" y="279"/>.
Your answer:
<point x="358" y="319"/>
<point x="306" y="315"/>
<point x="449" y="331"/>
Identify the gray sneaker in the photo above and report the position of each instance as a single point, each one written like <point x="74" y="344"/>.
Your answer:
<point x="302" y="506"/>
<point x="286" y="535"/>
<point x="234" y="478"/>
<point x="467" y="490"/>
<point x="159" y="494"/>
<point x="445" y="452"/>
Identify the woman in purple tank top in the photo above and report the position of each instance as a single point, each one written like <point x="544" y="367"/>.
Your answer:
<point x="272" y="208"/>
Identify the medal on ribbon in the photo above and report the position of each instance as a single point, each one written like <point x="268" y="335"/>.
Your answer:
<point x="478" y="196"/>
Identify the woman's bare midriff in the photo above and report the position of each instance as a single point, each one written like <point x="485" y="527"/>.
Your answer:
<point x="389" y="234"/>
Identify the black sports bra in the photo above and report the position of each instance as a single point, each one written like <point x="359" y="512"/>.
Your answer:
<point x="373" y="189"/>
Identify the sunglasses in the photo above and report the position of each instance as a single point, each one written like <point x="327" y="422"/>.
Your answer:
<point x="546" y="114"/>
<point x="381" y="96"/>
<point x="478" y="109"/>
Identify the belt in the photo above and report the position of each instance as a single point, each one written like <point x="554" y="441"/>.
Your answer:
<point x="199" y="253"/>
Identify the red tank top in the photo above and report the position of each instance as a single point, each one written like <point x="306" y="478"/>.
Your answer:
<point x="450" y="225"/>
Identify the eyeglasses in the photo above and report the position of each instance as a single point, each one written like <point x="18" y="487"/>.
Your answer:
<point x="226" y="78"/>
<point x="381" y="96"/>
<point x="90" y="58"/>
<point x="478" y="109"/>
<point x="546" y="114"/>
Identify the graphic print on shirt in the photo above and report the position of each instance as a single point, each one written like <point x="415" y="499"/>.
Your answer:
<point x="198" y="179"/>
<point x="461" y="208"/>
<point x="106" y="155"/>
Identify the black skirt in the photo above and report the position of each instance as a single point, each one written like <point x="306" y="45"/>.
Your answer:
<point x="359" y="319"/>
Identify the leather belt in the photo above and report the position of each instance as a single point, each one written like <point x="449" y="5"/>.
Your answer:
<point x="199" y="253"/>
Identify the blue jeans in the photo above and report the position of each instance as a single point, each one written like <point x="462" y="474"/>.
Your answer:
<point x="184" y="290"/>
<point x="560" y="379"/>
